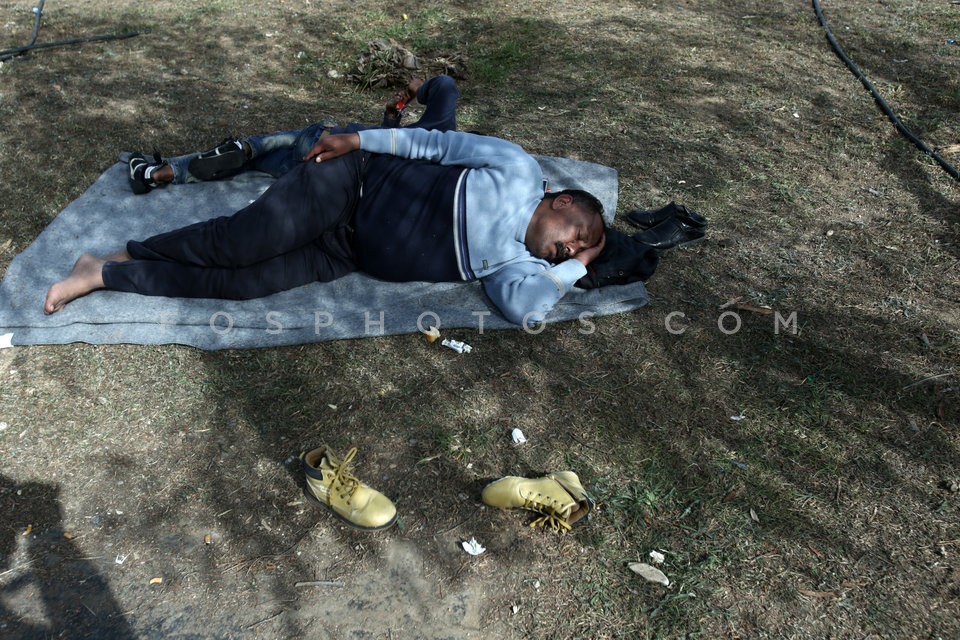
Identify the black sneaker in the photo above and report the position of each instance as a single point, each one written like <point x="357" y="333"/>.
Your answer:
<point x="138" y="165"/>
<point x="223" y="161"/>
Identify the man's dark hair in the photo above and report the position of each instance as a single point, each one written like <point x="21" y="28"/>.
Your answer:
<point x="582" y="199"/>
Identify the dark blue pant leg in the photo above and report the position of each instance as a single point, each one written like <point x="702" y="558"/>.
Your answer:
<point x="440" y="95"/>
<point x="295" y="233"/>
<point x="283" y="159"/>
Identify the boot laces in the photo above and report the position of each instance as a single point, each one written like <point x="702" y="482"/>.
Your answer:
<point x="344" y="481"/>
<point x="553" y="515"/>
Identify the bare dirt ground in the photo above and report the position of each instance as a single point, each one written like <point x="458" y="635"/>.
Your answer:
<point x="800" y="479"/>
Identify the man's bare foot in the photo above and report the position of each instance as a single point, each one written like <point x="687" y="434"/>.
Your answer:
<point x="87" y="276"/>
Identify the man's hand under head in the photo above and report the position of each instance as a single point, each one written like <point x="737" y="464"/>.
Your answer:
<point x="589" y="255"/>
<point x="330" y="147"/>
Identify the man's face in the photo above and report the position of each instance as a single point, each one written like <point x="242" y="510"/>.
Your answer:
<point x="565" y="231"/>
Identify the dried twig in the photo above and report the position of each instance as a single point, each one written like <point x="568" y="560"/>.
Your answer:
<point x="18" y="567"/>
<point x="941" y="375"/>
<point x="266" y="619"/>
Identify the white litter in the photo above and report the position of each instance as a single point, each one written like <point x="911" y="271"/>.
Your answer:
<point x="6" y="341"/>
<point x="657" y="557"/>
<point x="456" y="345"/>
<point x="473" y="547"/>
<point x="518" y="436"/>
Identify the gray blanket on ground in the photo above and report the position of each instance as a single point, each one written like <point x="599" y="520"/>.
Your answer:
<point x="108" y="214"/>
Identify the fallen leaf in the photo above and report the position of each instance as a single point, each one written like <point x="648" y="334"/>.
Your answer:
<point x="207" y="539"/>
<point x="754" y="308"/>
<point x="28" y="530"/>
<point x="818" y="594"/>
<point x="649" y="573"/>
<point x="754" y="516"/>
<point x="156" y="580"/>
<point x="68" y="535"/>
<point x="953" y="148"/>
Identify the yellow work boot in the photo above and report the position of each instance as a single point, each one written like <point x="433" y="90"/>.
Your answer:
<point x="330" y="483"/>
<point x="549" y="496"/>
<point x="569" y="481"/>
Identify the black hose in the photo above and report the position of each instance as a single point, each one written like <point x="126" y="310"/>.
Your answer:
<point x="37" y="15"/>
<point x="21" y="50"/>
<point x="902" y="128"/>
<point x="8" y="54"/>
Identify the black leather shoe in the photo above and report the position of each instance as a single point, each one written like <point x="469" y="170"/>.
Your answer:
<point x="669" y="234"/>
<point x="647" y="219"/>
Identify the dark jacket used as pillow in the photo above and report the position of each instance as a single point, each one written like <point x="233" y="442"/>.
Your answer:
<point x="621" y="261"/>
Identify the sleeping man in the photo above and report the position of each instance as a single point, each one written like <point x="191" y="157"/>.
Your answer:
<point x="397" y="204"/>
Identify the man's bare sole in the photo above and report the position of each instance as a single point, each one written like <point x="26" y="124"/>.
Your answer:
<point x="87" y="276"/>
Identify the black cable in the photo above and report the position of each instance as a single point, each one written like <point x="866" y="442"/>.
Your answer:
<point x="60" y="43"/>
<point x="8" y="54"/>
<point x="37" y="15"/>
<point x="902" y="128"/>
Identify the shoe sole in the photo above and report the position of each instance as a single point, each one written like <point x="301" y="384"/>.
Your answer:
<point x="138" y="187"/>
<point x="218" y="166"/>
<point x="317" y="501"/>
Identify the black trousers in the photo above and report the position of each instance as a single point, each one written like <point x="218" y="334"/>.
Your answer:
<point x="299" y="231"/>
